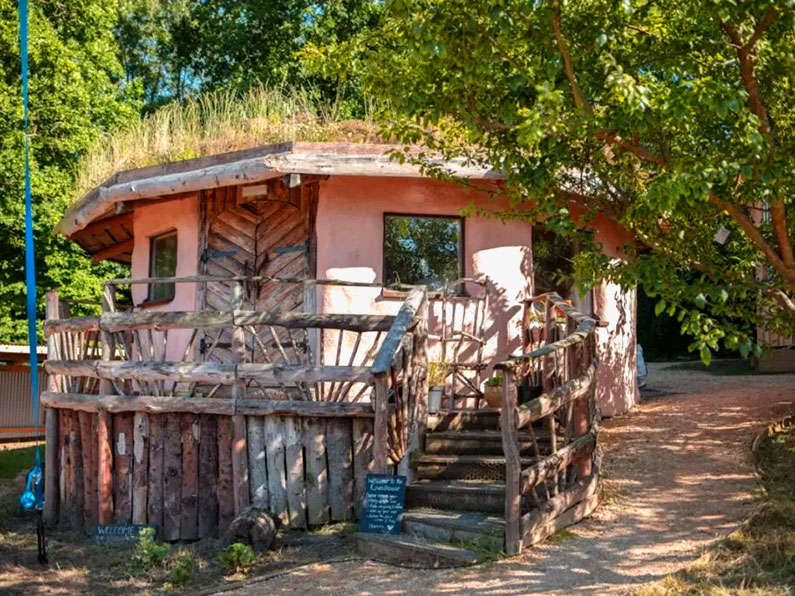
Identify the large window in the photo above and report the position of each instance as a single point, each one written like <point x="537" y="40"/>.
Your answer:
<point x="420" y="249"/>
<point x="162" y="263"/>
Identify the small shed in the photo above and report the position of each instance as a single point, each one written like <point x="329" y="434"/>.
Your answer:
<point x="16" y="407"/>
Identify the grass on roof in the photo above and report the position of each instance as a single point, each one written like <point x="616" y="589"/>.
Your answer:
<point x="220" y="122"/>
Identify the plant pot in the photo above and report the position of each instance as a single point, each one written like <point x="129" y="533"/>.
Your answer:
<point x="493" y="395"/>
<point x="435" y="395"/>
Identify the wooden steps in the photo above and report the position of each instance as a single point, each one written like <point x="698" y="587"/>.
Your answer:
<point x="487" y="532"/>
<point x="457" y="495"/>
<point x="455" y="505"/>
<point x="478" y="442"/>
<point x="480" y="419"/>
<point x="410" y="551"/>
<point x="462" y="467"/>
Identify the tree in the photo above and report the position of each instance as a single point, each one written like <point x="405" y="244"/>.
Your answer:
<point x="74" y="96"/>
<point x="176" y="48"/>
<point x="675" y="118"/>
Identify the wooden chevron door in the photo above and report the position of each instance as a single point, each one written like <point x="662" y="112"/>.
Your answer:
<point x="265" y="235"/>
<point x="265" y="231"/>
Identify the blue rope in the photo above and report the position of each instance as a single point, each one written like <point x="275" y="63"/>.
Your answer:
<point x="33" y="496"/>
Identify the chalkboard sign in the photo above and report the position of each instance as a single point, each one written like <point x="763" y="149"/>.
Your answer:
<point x="384" y="498"/>
<point x="117" y="533"/>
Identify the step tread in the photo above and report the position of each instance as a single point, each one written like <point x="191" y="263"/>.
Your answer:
<point x="475" y="435"/>
<point x="443" y="555"/>
<point x="454" y="458"/>
<point x="470" y="411"/>
<point x="465" y="520"/>
<point x="457" y="486"/>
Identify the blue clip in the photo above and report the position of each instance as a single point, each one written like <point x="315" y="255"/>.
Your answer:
<point x="33" y="497"/>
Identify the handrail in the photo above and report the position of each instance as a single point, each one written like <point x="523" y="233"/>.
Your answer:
<point x="206" y="372"/>
<point x="548" y="403"/>
<point x="585" y="327"/>
<point x="163" y="320"/>
<point x="403" y="431"/>
<point x="566" y="368"/>
<point x="404" y="320"/>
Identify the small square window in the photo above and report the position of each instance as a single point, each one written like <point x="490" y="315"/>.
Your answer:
<point x="552" y="263"/>
<point x="421" y="249"/>
<point x="162" y="263"/>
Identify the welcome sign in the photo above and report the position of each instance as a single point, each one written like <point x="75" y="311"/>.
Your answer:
<point x="384" y="500"/>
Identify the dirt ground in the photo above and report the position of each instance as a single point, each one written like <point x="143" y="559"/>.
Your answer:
<point x="679" y="476"/>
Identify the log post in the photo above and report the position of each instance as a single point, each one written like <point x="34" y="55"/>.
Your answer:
<point x="238" y="342"/>
<point x="239" y="464"/>
<point x="239" y="435"/>
<point x="579" y="409"/>
<point x="104" y="468"/>
<point x="420" y="366"/>
<point x="51" y="471"/>
<point x="380" y="426"/>
<point x="140" y="482"/>
<point x="104" y="452"/>
<point x="513" y="469"/>
<point x="586" y="406"/>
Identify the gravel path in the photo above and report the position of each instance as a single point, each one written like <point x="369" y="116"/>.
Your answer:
<point x="679" y="476"/>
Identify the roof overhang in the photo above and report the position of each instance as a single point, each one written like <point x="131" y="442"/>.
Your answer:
<point x="251" y="165"/>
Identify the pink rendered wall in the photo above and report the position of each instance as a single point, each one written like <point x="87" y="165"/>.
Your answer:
<point x="617" y="380"/>
<point x="181" y="215"/>
<point x="350" y="247"/>
<point x="350" y="238"/>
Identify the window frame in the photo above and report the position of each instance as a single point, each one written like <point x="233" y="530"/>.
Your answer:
<point x="150" y="300"/>
<point x="461" y="248"/>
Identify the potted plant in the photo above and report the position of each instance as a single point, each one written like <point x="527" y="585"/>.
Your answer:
<point x="437" y="376"/>
<point x="492" y="391"/>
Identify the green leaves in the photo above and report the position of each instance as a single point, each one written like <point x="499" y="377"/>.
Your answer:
<point x="74" y="97"/>
<point x="669" y="124"/>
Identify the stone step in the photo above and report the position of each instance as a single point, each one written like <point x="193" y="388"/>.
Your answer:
<point x="462" y="467"/>
<point x="456" y="495"/>
<point x="480" y="442"/>
<point x="411" y="551"/>
<point x="474" y="419"/>
<point x="457" y="527"/>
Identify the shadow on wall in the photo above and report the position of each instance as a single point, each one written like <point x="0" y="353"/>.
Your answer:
<point x="617" y="389"/>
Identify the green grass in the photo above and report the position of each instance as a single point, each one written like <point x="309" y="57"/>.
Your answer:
<point x="759" y="558"/>
<point x="13" y="461"/>
<point x="220" y="122"/>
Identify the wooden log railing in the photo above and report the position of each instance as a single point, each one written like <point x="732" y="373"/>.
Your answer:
<point x="560" y="487"/>
<point x="276" y="353"/>
<point x="400" y="378"/>
<point x="237" y="401"/>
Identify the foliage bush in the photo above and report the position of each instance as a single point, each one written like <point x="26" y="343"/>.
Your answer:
<point x="237" y="557"/>
<point x="437" y="373"/>
<point x="149" y="554"/>
<point x="183" y="570"/>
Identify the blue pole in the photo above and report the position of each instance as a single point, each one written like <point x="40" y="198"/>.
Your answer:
<point x="30" y="260"/>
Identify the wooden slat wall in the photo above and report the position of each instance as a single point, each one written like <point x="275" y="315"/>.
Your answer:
<point x="174" y="471"/>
